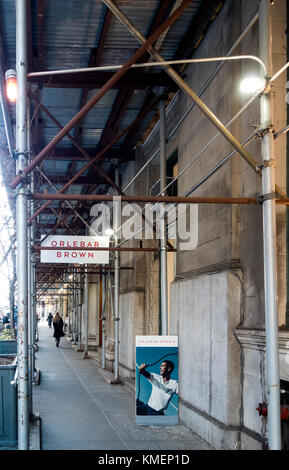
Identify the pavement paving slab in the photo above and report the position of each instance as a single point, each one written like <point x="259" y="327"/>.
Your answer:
<point x="80" y="410"/>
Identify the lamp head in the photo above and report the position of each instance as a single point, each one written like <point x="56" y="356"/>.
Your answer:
<point x="250" y="85"/>
<point x="11" y="85"/>
<point x="109" y="232"/>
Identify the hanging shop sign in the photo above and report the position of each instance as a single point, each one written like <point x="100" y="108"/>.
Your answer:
<point x="66" y="253"/>
<point x="157" y="385"/>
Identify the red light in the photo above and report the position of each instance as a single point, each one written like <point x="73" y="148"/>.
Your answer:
<point x="11" y="89"/>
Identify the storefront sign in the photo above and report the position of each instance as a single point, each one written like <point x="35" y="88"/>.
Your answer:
<point x="76" y="256"/>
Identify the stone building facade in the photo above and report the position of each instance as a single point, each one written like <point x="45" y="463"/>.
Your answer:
<point x="216" y="304"/>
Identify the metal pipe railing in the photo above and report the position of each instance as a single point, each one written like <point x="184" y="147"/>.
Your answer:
<point x="15" y="379"/>
<point x="150" y="64"/>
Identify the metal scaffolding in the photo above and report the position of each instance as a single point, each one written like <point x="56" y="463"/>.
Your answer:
<point x="32" y="287"/>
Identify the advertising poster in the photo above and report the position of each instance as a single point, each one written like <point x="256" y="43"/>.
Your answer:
<point x="157" y="385"/>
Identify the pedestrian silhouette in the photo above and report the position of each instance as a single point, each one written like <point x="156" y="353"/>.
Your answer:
<point x="58" y="328"/>
<point x="49" y="319"/>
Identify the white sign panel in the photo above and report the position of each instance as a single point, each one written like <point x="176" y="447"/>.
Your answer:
<point x="75" y="256"/>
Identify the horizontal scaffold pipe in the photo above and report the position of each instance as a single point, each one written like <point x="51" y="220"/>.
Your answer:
<point x="153" y="199"/>
<point x="39" y="248"/>
<point x="96" y="270"/>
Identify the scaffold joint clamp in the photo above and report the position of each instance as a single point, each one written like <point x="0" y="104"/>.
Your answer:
<point x="266" y="164"/>
<point x="267" y="197"/>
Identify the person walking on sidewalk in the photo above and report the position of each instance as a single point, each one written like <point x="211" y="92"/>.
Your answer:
<point x="58" y="328"/>
<point x="49" y="319"/>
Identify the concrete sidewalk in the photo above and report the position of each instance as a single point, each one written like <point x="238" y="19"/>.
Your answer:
<point x="80" y="410"/>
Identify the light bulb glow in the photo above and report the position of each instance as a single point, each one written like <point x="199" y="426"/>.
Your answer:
<point x="109" y="232"/>
<point x="252" y="85"/>
<point x="11" y="85"/>
<point x="11" y="89"/>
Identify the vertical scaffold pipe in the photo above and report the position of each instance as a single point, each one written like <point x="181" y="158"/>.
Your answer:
<point x="30" y="333"/>
<point x="116" y="225"/>
<point x="34" y="324"/>
<point x="74" y="317"/>
<point x="269" y="238"/>
<point x="79" y="306"/>
<point x="21" y="224"/>
<point x="86" y="312"/>
<point x="69" y="315"/>
<point x="34" y="314"/>
<point x="163" y="240"/>
<point x="104" y="293"/>
<point x="29" y="284"/>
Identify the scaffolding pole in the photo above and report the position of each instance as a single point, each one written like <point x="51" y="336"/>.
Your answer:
<point x="163" y="240"/>
<point x="21" y="224"/>
<point x="152" y="199"/>
<point x="116" y="225"/>
<point x="30" y="325"/>
<point x="29" y="285"/>
<point x="69" y="315"/>
<point x="34" y="324"/>
<point x="269" y="238"/>
<point x="79" y="305"/>
<point x="85" y="355"/>
<point x="74" y="318"/>
<point x="104" y="306"/>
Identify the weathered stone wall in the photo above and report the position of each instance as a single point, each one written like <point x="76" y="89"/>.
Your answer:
<point x="218" y="289"/>
<point x="93" y="312"/>
<point x="229" y="235"/>
<point x="205" y="314"/>
<point x="131" y="324"/>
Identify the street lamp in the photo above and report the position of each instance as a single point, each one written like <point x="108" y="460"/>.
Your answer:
<point x="109" y="232"/>
<point x="250" y="85"/>
<point x="11" y="85"/>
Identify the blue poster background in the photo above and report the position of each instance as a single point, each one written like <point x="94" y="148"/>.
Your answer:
<point x="149" y="355"/>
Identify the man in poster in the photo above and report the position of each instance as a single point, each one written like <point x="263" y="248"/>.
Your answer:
<point x="163" y="388"/>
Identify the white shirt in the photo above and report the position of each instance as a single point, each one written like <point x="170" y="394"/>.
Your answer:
<point x="161" y="392"/>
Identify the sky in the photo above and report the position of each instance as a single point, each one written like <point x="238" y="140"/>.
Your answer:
<point x="6" y="232"/>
